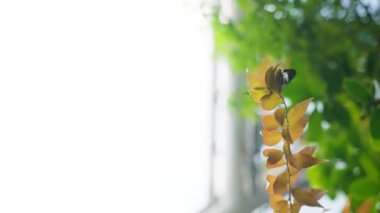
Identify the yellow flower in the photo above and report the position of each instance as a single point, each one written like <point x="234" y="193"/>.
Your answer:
<point x="265" y="86"/>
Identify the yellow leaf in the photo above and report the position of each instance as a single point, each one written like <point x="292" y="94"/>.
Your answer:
<point x="269" y="122"/>
<point x="279" y="115"/>
<point x="297" y="112"/>
<point x="269" y="102"/>
<point x="264" y="66"/>
<point x="296" y="129"/>
<point x="270" y="179"/>
<point x="365" y="207"/>
<point x="257" y="95"/>
<point x="283" y="207"/>
<point x="286" y="135"/>
<point x="273" y="201"/>
<point x="271" y="138"/>
<point x="274" y="158"/>
<point x="255" y="80"/>
<point x="308" y="197"/>
<point x="257" y="87"/>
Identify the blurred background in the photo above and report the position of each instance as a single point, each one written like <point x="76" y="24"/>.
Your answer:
<point x="128" y="106"/>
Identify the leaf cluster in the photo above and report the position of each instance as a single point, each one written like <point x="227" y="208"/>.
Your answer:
<point x="283" y="126"/>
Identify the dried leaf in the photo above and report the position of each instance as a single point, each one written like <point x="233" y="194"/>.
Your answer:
<point x="308" y="197"/>
<point x="270" y="179"/>
<point x="279" y="115"/>
<point x="296" y="206"/>
<point x="309" y="150"/>
<point x="271" y="138"/>
<point x="274" y="199"/>
<point x="283" y="207"/>
<point x="270" y="123"/>
<point x="286" y="135"/>
<point x="365" y="207"/>
<point x="297" y="112"/>
<point x="280" y="163"/>
<point x="274" y="158"/>
<point x="269" y="102"/>
<point x="302" y="161"/>
<point x="296" y="129"/>
<point x="281" y="184"/>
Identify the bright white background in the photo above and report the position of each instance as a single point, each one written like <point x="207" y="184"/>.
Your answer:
<point x="104" y="106"/>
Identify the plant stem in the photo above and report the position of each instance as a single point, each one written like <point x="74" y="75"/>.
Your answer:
<point x="286" y="158"/>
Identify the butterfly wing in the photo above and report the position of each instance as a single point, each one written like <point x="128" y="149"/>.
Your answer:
<point x="288" y="75"/>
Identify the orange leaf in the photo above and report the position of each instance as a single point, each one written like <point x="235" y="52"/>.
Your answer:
<point x="275" y="165"/>
<point x="309" y="196"/>
<point x="296" y="129"/>
<point x="302" y="161"/>
<point x="274" y="158"/>
<point x="274" y="201"/>
<point x="269" y="122"/>
<point x="365" y="207"/>
<point x="298" y="111"/>
<point x="309" y="150"/>
<point x="296" y="206"/>
<point x="271" y="138"/>
<point x="269" y="102"/>
<point x="283" y="207"/>
<point x="347" y="206"/>
<point x="270" y="179"/>
<point x="281" y="184"/>
<point x="279" y="115"/>
<point x="286" y="135"/>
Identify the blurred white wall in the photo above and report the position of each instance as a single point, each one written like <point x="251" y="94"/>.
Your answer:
<point x="104" y="106"/>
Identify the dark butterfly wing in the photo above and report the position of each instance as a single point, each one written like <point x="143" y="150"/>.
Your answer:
<point x="288" y="75"/>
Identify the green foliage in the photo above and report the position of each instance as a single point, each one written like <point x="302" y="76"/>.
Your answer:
<point x="375" y="124"/>
<point x="335" y="47"/>
<point x="357" y="91"/>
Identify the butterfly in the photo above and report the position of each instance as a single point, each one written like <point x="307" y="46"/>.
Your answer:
<point x="287" y="76"/>
<point x="276" y="78"/>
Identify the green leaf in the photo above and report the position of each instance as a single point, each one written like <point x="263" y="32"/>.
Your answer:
<point x="369" y="166"/>
<point x="375" y="124"/>
<point x="315" y="128"/>
<point x="365" y="188"/>
<point x="356" y="90"/>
